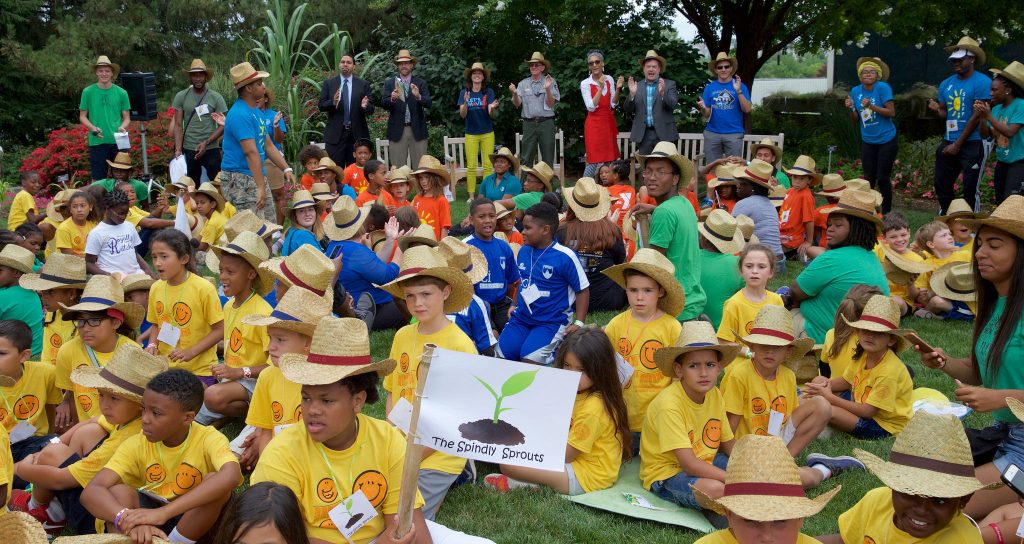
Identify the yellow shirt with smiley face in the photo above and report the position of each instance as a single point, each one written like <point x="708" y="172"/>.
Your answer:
<point x="27" y="399"/>
<point x="592" y="432"/>
<point x="194" y="308"/>
<point x="275" y="401"/>
<point x="74" y="355"/>
<point x="753" y="397"/>
<point x="245" y="345"/>
<point x="71" y="236"/>
<point x="56" y="333"/>
<point x="637" y="342"/>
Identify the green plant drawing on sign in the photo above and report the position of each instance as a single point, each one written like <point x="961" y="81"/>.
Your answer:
<point x="515" y="384"/>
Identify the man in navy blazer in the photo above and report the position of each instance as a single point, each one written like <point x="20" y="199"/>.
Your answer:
<point x="655" y="123"/>
<point x="346" y="100"/>
<point x="406" y="97"/>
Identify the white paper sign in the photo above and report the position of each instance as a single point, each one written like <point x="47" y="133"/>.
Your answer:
<point x="202" y="109"/>
<point x="21" y="431"/>
<point x="496" y="410"/>
<point x="122" y="141"/>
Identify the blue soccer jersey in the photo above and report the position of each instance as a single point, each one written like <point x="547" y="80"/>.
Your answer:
<point x="475" y="321"/>
<point x="551" y="278"/>
<point x="501" y="268"/>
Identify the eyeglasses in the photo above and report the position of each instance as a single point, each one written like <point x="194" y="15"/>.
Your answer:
<point x="724" y="67"/>
<point x="657" y="173"/>
<point x="92" y="322"/>
<point x="594" y="62"/>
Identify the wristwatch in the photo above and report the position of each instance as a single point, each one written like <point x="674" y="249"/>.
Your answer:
<point x="246" y="372"/>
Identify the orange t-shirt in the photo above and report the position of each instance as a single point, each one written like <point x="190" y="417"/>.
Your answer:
<point x="821" y="221"/>
<point x="724" y="204"/>
<point x="307" y="181"/>
<point x="354" y="177"/>
<point x="626" y="202"/>
<point x="434" y="211"/>
<point x="383" y="197"/>
<point x="515" y="237"/>
<point x="797" y="210"/>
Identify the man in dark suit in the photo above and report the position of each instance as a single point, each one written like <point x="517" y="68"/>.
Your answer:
<point x="652" y="102"/>
<point x="346" y="100"/>
<point x="406" y="97"/>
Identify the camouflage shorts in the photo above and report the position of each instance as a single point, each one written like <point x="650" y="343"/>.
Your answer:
<point x="240" y="190"/>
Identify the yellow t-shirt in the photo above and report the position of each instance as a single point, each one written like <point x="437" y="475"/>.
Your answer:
<point x="748" y="394"/>
<point x="83" y="470"/>
<point x="194" y="308"/>
<point x="245" y="345"/>
<point x="673" y="422"/>
<point x="959" y="255"/>
<point x="6" y="461"/>
<point x="372" y="464"/>
<point x="20" y="206"/>
<point x="897" y="289"/>
<point x="870" y="521"/>
<point x="51" y="244"/>
<point x="213" y="229"/>
<point x="725" y="537"/>
<point x="56" y="333"/>
<point x="275" y="400"/>
<point x="136" y="215"/>
<point x="844" y="359"/>
<point x="738" y="316"/>
<point x="229" y="210"/>
<point x="592" y="431"/>
<point x="150" y="465"/>
<point x="407" y="348"/>
<point x="637" y="342"/>
<point x="27" y="400"/>
<point x="71" y="236"/>
<point x="887" y="386"/>
<point x="74" y="355"/>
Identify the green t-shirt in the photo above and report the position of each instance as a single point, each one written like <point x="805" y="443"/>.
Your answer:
<point x="20" y="304"/>
<point x="720" y="278"/>
<point x="141" y="189"/>
<point x="1009" y="376"/>
<point x="782" y="178"/>
<point x="674" y="229"/>
<point x="199" y="128"/>
<point x="525" y="200"/>
<point x="827" y="279"/>
<point x="104" y="107"/>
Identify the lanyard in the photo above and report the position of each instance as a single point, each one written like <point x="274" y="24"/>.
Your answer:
<point x="177" y="462"/>
<point x="92" y="356"/>
<point x="330" y="469"/>
<point x="533" y="262"/>
<point x="632" y="341"/>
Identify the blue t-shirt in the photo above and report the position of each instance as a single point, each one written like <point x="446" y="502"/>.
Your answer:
<point x="270" y="114"/>
<point x="242" y="123"/>
<point x="477" y="119"/>
<point x="296" y="238"/>
<point x="958" y="96"/>
<point x="1010" y="149"/>
<point x="501" y="268"/>
<point x="766" y="219"/>
<point x="509" y="185"/>
<point x="827" y="279"/>
<point x="361" y="269"/>
<point x="726" y="115"/>
<point x="557" y="276"/>
<point x="475" y="321"/>
<point x="876" y="129"/>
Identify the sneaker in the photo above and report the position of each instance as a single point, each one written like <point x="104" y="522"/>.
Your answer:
<point x="468" y="474"/>
<point x="19" y="501"/>
<point x="837" y="465"/>
<point x="783" y="291"/>
<point x="497" y="482"/>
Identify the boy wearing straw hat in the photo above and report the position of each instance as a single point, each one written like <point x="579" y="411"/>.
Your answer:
<point x="655" y="299"/>
<point x="196" y="134"/>
<point x="398" y="187"/>
<point x="720" y="242"/>
<point x="121" y="171"/>
<point x="928" y="479"/>
<point x="209" y="204"/>
<point x="59" y="281"/>
<point x="58" y="471"/>
<point x="103" y="110"/>
<point x="796" y="216"/>
<point x="28" y="404"/>
<point x="499" y="285"/>
<point x="16" y="302"/>
<point x="474" y="319"/>
<point x="901" y="265"/>
<point x="963" y="235"/>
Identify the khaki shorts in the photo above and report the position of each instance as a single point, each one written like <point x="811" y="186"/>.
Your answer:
<point x="274" y="175"/>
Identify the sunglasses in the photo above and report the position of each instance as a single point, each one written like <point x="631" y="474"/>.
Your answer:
<point x="594" y="62"/>
<point x="724" y="67"/>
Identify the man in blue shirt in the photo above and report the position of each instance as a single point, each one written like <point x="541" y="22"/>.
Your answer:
<point x="961" y="151"/>
<point x="247" y="143"/>
<point x="722" y="105"/>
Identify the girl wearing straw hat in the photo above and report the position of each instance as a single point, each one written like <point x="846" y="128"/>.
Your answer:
<point x="477" y="105"/>
<point x="872" y="108"/>
<point x="59" y="281"/>
<point x="305" y="229"/>
<point x="1004" y="120"/>
<point x="110" y="248"/>
<point x="596" y="240"/>
<point x="210" y="204"/>
<point x="430" y="202"/>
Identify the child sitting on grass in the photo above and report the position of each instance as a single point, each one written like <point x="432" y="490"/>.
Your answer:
<point x="506" y="224"/>
<point x="330" y="173"/>
<point x="720" y="241"/>
<point x="536" y="182"/>
<point x="474" y="319"/>
<point x="895" y="248"/>
<point x="110" y="246"/>
<point x="304" y="226"/>
<point x="872" y="399"/>
<point x="355" y="175"/>
<point x="937" y="240"/>
<point x="599" y="437"/>
<point x="172" y="480"/>
<point x="757" y="267"/>
<point x="499" y="286"/>
<point x="837" y="353"/>
<point x="59" y="281"/>
<point x="23" y="207"/>
<point x="28" y="389"/>
<point x="430" y="202"/>
<point x="796" y="217"/>
<point x="398" y="189"/>
<point x="136" y="289"/>
<point x="73" y="231"/>
<point x="376" y="173"/>
<point x="209" y="204"/>
<point x="724" y="186"/>
<point x="963" y="234"/>
<point x="832" y="186"/>
<point x="267" y="513"/>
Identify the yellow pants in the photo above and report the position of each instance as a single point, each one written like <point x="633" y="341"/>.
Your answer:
<point x="475" y="143"/>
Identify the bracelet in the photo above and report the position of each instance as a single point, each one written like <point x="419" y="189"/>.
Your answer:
<point x="999" y="534"/>
<point x="117" y="518"/>
<point x="246" y="372"/>
<point x="286" y="170"/>
<point x="942" y="364"/>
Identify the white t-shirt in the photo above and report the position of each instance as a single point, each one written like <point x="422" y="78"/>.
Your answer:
<point x="114" y="245"/>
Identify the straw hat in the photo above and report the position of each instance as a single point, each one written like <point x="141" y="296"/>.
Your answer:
<point x="668" y="150"/>
<point x="247" y="221"/>
<point x="430" y="165"/>
<point x="902" y="263"/>
<point x="832" y="185"/>
<point x="883" y="72"/>
<point x="762" y="483"/>
<point x="327" y="164"/>
<point x="251" y="248"/>
<point x="1013" y="71"/>
<point x="299" y="310"/>
<point x="60" y="271"/>
<point x="721" y="230"/>
<point x="506" y="153"/>
<point x="404" y="56"/>
<point x="695" y="336"/>
<point x="767" y="143"/>
<point x="60" y="199"/>
<point x="588" y="200"/>
<point x="136" y="282"/>
<point x="421" y="261"/>
<point x="954" y="281"/>
<point x="340" y="348"/>
<point x="543" y="172"/>
<point x="724" y="55"/>
<point x="17" y="258"/>
<point x="346" y="219"/>
<point x="857" y="204"/>
<point x="465" y="257"/>
<point x="127" y="373"/>
<point x="185" y="182"/>
<point x="805" y="166"/>
<point x="321" y="191"/>
<point x="773" y="326"/>
<point x="1009" y="216"/>
<point x="806" y="366"/>
<point x="931" y="457"/>
<point x="243" y="74"/>
<point x="1016" y="407"/>
<point x="501" y="211"/>
<point x="757" y="171"/>
<point x="746" y="227"/>
<point x="881" y="314"/>
<point x="723" y="176"/>
<point x="209" y="190"/>
<point x="102" y="60"/>
<point x="122" y="161"/>
<point x="423" y="235"/>
<point x="399" y="175"/>
<point x="302" y="199"/>
<point x="199" y="66"/>
<point x="864" y="186"/>
<point x="477" y="66"/>
<point x="653" y="55"/>
<point x="20" y="527"/>
<point x="959" y="209"/>
<point x="777" y="195"/>
<point x="537" y="56"/>
<point x="966" y="45"/>
<point x="376" y="238"/>
<point x="104" y="293"/>
<point x="653" y="264"/>
<point x="307" y="268"/>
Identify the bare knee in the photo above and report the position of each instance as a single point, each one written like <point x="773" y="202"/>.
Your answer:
<point x="215" y="398"/>
<point x="53" y="455"/>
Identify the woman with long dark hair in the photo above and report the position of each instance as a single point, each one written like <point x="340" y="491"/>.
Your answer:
<point x="596" y="240"/>
<point x="477" y="105"/>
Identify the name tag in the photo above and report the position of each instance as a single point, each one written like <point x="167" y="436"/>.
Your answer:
<point x="202" y="109"/>
<point x="169" y="334"/>
<point x="352" y="514"/>
<point x="530" y="294"/>
<point x="775" y="420"/>
<point x="952" y="125"/>
<point x="21" y="431"/>
<point x="865" y="115"/>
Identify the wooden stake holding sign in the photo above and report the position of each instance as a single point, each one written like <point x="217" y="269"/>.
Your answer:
<point x="413" y="451"/>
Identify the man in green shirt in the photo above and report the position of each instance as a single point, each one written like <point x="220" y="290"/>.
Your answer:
<point x="103" y="110"/>
<point x="673" y="222"/>
<point x="121" y="170"/>
<point x="196" y="134"/>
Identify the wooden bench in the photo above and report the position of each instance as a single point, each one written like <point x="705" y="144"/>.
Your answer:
<point x="691" y="145"/>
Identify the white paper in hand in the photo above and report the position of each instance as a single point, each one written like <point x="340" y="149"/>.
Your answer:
<point x="122" y="140"/>
<point x="181" y="219"/>
<point x="177" y="168"/>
